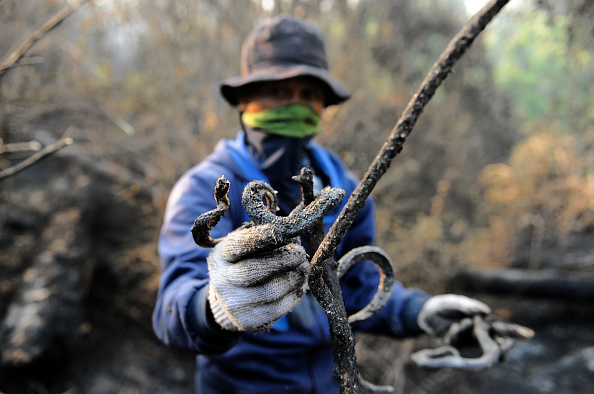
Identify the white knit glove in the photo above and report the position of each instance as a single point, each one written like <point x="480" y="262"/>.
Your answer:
<point x="251" y="289"/>
<point x="440" y="312"/>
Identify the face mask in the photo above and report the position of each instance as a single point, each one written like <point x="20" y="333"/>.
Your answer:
<point x="293" y="120"/>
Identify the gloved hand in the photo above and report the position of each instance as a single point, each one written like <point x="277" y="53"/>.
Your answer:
<point x="440" y="312"/>
<point x="249" y="288"/>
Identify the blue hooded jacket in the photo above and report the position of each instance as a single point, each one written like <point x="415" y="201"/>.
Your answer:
<point x="296" y="354"/>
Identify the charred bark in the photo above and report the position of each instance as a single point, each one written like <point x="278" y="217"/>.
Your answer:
<point x="344" y="358"/>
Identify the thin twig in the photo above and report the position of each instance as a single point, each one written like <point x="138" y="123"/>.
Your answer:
<point x="117" y="120"/>
<point x="19" y="147"/>
<point x="29" y="61"/>
<point x="343" y="343"/>
<point x="45" y="152"/>
<point x="52" y="22"/>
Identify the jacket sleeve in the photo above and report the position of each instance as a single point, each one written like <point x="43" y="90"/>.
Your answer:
<point x="182" y="317"/>
<point x="399" y="316"/>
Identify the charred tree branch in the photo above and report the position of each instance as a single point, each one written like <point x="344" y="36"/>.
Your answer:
<point x="342" y="338"/>
<point x="323" y="282"/>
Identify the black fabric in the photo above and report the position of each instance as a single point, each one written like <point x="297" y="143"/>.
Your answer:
<point x="280" y="158"/>
<point x="284" y="40"/>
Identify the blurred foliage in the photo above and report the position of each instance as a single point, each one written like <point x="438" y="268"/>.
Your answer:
<point x="139" y="80"/>
<point x="547" y="187"/>
<point x="544" y="63"/>
<point x="545" y="70"/>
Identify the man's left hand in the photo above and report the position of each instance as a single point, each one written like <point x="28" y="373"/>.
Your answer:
<point x="439" y="312"/>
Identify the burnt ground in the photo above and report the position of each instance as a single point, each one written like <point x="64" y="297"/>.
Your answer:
<point x="120" y="354"/>
<point x="559" y="359"/>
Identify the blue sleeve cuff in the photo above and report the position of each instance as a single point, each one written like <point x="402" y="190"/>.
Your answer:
<point x="200" y="318"/>
<point x="410" y="313"/>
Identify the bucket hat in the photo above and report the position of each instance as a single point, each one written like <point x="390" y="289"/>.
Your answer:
<point x="280" y="48"/>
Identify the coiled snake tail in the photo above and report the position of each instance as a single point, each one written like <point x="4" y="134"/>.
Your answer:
<point x="386" y="282"/>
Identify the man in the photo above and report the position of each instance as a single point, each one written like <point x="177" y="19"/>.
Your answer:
<point x="247" y="316"/>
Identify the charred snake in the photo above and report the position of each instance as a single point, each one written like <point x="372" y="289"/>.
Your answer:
<point x="260" y="204"/>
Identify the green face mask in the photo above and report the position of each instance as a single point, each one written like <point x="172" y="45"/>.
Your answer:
<point x="293" y="120"/>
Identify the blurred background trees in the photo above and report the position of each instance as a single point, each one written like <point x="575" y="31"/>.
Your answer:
<point x="498" y="171"/>
<point x="140" y="83"/>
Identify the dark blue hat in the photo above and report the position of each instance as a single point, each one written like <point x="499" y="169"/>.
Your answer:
<point x="280" y="48"/>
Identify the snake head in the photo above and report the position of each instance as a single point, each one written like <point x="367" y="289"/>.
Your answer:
<point x="221" y="189"/>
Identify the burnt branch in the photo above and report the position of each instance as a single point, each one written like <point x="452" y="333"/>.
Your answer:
<point x="323" y="283"/>
<point x="322" y="280"/>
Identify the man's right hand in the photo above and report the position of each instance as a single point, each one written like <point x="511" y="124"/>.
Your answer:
<point x="250" y="289"/>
